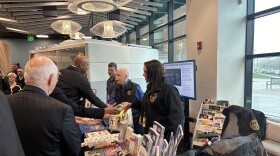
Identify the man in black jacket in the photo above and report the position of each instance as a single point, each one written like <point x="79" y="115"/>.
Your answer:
<point x="128" y="91"/>
<point x="75" y="85"/>
<point x="45" y="126"/>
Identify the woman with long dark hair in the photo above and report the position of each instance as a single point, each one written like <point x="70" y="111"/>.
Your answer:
<point x="161" y="102"/>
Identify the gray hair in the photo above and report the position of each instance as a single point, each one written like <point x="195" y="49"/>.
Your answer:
<point x="38" y="70"/>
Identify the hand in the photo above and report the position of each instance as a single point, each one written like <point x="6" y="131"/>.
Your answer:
<point x="2" y="75"/>
<point x="127" y="106"/>
<point x="112" y="109"/>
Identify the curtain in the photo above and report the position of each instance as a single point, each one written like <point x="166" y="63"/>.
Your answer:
<point x="5" y="57"/>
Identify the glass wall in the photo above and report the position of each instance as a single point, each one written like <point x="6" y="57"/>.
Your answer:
<point x="262" y="81"/>
<point x="165" y="27"/>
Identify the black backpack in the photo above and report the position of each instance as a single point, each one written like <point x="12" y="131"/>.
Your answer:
<point x="260" y="117"/>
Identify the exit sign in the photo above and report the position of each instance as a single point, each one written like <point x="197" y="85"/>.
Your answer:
<point x="30" y="38"/>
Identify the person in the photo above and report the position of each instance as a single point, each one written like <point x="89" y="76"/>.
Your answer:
<point x="45" y="126"/>
<point x="20" y="78"/>
<point x="9" y="142"/>
<point x="112" y="68"/>
<point x="128" y="91"/>
<point x="14" y="68"/>
<point x="4" y="83"/>
<point x="80" y="110"/>
<point x="14" y="86"/>
<point x="75" y="85"/>
<point x="161" y="101"/>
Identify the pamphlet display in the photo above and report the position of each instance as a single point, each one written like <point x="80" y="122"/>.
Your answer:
<point x="210" y="120"/>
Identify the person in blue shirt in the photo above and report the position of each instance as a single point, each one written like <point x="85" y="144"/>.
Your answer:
<point x="127" y="91"/>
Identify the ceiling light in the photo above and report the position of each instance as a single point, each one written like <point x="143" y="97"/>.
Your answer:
<point x="8" y="20"/>
<point x="87" y="37"/>
<point x="73" y="8"/>
<point x="42" y="36"/>
<point x="77" y="35"/>
<point x="66" y="26"/>
<point x="17" y="30"/>
<point x="108" y="29"/>
<point x="101" y="5"/>
<point x="144" y="39"/>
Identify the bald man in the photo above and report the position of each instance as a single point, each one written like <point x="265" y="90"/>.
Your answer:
<point x="75" y="85"/>
<point x="128" y="91"/>
<point x="45" y="126"/>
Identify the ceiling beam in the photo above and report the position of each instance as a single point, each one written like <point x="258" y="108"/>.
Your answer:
<point x="135" y="11"/>
<point x="129" y="22"/>
<point x="131" y="18"/>
<point x="137" y="6"/>
<point x="56" y="18"/>
<point x="131" y="14"/>
<point x="30" y="5"/>
<point x="128" y="25"/>
<point x="148" y="3"/>
<point x="32" y="9"/>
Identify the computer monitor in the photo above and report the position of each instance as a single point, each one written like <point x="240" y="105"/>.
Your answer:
<point x="182" y="75"/>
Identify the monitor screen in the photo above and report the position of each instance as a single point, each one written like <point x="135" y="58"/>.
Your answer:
<point x="182" y="76"/>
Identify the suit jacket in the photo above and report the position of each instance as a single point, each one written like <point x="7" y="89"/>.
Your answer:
<point x="45" y="126"/>
<point x="76" y="86"/>
<point x="79" y="110"/>
<point x="9" y="141"/>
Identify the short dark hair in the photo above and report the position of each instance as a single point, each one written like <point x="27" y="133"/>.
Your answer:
<point x="155" y="73"/>
<point x="113" y="64"/>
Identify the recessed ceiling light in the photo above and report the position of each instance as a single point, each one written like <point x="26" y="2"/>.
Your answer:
<point x="42" y="36"/>
<point x="17" y="30"/>
<point x="144" y="39"/>
<point x="87" y="37"/>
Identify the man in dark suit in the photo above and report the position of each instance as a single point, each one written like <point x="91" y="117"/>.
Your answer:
<point x="9" y="143"/>
<point x="45" y="126"/>
<point x="75" y="85"/>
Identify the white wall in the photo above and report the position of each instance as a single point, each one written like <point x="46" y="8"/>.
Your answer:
<point x="100" y="53"/>
<point x="220" y="25"/>
<point x="20" y="48"/>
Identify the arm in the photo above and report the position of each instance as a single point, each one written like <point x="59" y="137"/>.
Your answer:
<point x="85" y="88"/>
<point x="79" y="110"/>
<point x="175" y="114"/>
<point x="70" y="134"/>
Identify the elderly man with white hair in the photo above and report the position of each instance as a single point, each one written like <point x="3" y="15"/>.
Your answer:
<point x="128" y="91"/>
<point x="45" y="125"/>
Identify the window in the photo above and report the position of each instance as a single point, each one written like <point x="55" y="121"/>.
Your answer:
<point x="180" y="28"/>
<point x="266" y="85"/>
<point x="132" y="37"/>
<point x="179" y="8"/>
<point x="265" y="4"/>
<point x="144" y="40"/>
<point x="123" y="39"/>
<point x="262" y="88"/>
<point x="161" y="16"/>
<point x="161" y="35"/>
<point x="162" y="52"/>
<point x="180" y="48"/>
<point x="267" y="32"/>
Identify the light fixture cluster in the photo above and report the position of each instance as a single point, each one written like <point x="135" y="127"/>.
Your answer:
<point x="104" y="29"/>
